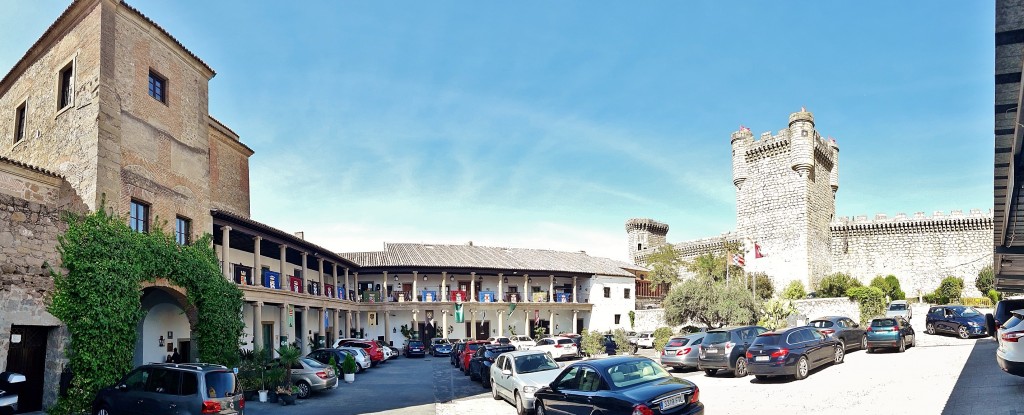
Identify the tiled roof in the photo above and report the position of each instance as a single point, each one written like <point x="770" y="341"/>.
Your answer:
<point x="486" y="257"/>
<point x="30" y="167"/>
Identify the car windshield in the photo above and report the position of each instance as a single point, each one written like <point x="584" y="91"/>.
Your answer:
<point x="716" y="337"/>
<point x="503" y="340"/>
<point x="441" y="341"/>
<point x="536" y="362"/>
<point x="415" y="344"/>
<point x="221" y="384"/>
<point x="312" y="363"/>
<point x="883" y="322"/>
<point x="677" y="342"/>
<point x="821" y="324"/>
<point x="897" y="307"/>
<point x="966" y="311"/>
<point x="635" y="372"/>
<point x="1013" y="321"/>
<point x="767" y="339"/>
<point x="473" y="346"/>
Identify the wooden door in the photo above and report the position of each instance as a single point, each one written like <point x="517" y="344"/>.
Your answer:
<point x="28" y="357"/>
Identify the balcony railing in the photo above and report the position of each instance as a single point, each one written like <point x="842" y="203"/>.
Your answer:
<point x="648" y="289"/>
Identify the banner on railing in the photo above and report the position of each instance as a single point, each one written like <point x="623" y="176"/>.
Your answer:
<point x="563" y="297"/>
<point x="243" y="275"/>
<point x="295" y="284"/>
<point x="485" y="296"/>
<point x="329" y="290"/>
<point x="271" y="279"/>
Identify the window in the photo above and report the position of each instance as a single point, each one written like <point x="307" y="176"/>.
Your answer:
<point x="139" y="218"/>
<point x="625" y="294"/>
<point x="183" y="230"/>
<point x="20" y="116"/>
<point x="617" y="318"/>
<point x="66" y="82"/>
<point x="607" y="292"/>
<point x="157" y="87"/>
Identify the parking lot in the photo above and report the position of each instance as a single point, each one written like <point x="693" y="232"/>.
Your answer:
<point x="941" y="375"/>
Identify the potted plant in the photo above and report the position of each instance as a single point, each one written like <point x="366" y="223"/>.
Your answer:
<point x="274" y="375"/>
<point x="289" y="357"/>
<point x="349" y="368"/>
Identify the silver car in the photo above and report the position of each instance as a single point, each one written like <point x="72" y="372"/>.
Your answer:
<point x="516" y="375"/>
<point x="312" y="376"/>
<point x="362" y="358"/>
<point x="899" y="308"/>
<point x="682" y="352"/>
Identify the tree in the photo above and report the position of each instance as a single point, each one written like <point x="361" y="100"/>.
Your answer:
<point x="763" y="285"/>
<point x="794" y="291"/>
<point x="775" y="313"/>
<point x="986" y="280"/>
<point x="708" y="265"/>
<point x="890" y="286"/>
<point x="949" y="290"/>
<point x="871" y="301"/>
<point x="592" y="342"/>
<point x="709" y="302"/>
<point x="622" y="340"/>
<point x="664" y="263"/>
<point x="835" y="285"/>
<point x="661" y="337"/>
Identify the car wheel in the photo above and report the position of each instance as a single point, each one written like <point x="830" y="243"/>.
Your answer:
<point x="961" y="332"/>
<point x="802" y="368"/>
<point x="304" y="390"/>
<point x="840" y="354"/>
<point x="103" y="411"/>
<point x="864" y="342"/>
<point x="870" y="350"/>
<point x="494" y="392"/>
<point x="741" y="368"/>
<point x="539" y="408"/>
<point x="485" y="382"/>
<point x="473" y="375"/>
<point x="520" y="409"/>
<point x="903" y="345"/>
<point x="929" y="328"/>
<point x="761" y="377"/>
<point x="710" y="372"/>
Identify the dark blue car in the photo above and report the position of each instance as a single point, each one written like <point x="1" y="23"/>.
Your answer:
<point x="960" y="320"/>
<point x="618" y="385"/>
<point x="792" y="352"/>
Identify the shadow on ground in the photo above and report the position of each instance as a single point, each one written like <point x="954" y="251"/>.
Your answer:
<point x="982" y="388"/>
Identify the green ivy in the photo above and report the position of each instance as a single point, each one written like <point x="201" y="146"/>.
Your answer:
<point x="98" y="299"/>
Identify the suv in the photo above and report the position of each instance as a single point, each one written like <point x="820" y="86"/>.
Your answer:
<point x="1002" y="313"/>
<point x="726" y="349"/>
<point x="190" y="387"/>
<point x="1010" y="354"/>
<point x="372" y="348"/>
<point x="899" y="308"/>
<point x="415" y="348"/>
<point x="480" y="363"/>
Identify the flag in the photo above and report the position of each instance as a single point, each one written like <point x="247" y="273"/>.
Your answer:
<point x="327" y="320"/>
<point x="536" y="316"/>
<point x="757" y="251"/>
<point x="737" y="260"/>
<point x="511" y="308"/>
<point x="459" y="317"/>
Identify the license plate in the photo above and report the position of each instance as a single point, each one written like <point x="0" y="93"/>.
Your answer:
<point x="673" y="402"/>
<point x="760" y="358"/>
<point x="711" y="350"/>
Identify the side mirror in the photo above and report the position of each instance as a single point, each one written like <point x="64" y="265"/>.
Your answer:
<point x="121" y="387"/>
<point x="855" y="325"/>
<point x="11" y="377"/>
<point x="506" y="372"/>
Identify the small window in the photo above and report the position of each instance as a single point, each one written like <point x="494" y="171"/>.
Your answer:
<point x="66" y="82"/>
<point x="20" y="120"/>
<point x="618" y="317"/>
<point x="183" y="230"/>
<point x="157" y="87"/>
<point x="607" y="292"/>
<point x="139" y="218"/>
<point x="625" y="293"/>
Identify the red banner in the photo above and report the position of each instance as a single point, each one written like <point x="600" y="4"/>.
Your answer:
<point x="295" y="284"/>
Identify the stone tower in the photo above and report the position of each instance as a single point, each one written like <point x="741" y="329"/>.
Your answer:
<point x="644" y="233"/>
<point x="785" y="199"/>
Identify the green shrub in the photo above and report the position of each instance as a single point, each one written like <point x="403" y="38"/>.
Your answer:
<point x="622" y="340"/>
<point x="871" y="301"/>
<point x="592" y="342"/>
<point x="994" y="295"/>
<point x="775" y="313"/>
<point x="949" y="291"/>
<point x="890" y="285"/>
<point x="836" y="285"/>
<point x="986" y="280"/>
<point x="689" y="330"/>
<point x="764" y="288"/>
<point x="794" y="291"/>
<point x="349" y="365"/>
<point x="661" y="336"/>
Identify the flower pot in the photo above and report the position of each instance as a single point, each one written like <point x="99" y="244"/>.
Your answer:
<point x="263" y="395"/>
<point x="350" y="377"/>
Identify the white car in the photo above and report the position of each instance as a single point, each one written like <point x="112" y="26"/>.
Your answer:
<point x="515" y="376"/>
<point x="1010" y="354"/>
<point x="500" y="340"/>
<point x="522" y="342"/>
<point x="557" y="347"/>
<point x="645" y="340"/>
<point x="362" y="358"/>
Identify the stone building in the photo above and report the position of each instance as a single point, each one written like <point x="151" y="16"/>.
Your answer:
<point x="786" y="184"/>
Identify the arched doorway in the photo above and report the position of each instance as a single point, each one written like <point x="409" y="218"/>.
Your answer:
<point x="166" y="325"/>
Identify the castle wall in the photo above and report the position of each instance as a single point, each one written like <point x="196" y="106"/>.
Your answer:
<point x="919" y="250"/>
<point x="229" y="171"/>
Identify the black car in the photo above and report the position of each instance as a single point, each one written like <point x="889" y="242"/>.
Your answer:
<point x="726" y="348"/>
<point x="842" y="328"/>
<point x="1001" y="314"/>
<point x="961" y="320"/>
<point x="324" y="356"/>
<point x="456" y="351"/>
<point x="480" y="363"/>
<point x="618" y="385"/>
<point x="792" y="352"/>
<point x="189" y="388"/>
<point x="415" y="348"/>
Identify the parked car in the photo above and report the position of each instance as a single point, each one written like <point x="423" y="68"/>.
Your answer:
<point x="961" y="320"/>
<point x="372" y="349"/>
<point x="389" y="352"/>
<point x="415" y="348"/>
<point x="681" y="352"/>
<point x="1002" y="313"/>
<point x="557" y="347"/>
<point x="324" y="356"/>
<point x="190" y="388"/>
<point x="467" y="353"/>
<point x="361" y="355"/>
<point x="395" y="352"/>
<point x="440" y="346"/>
<point x="848" y="332"/>
<point x="792" y="352"/>
<point x="456" y="352"/>
<point x="890" y="332"/>
<point x="644" y="340"/>
<point x="618" y="385"/>
<point x="522" y="342"/>
<point x="516" y="376"/>
<point x="312" y="376"/>
<point x="480" y="363"/>
<point x="899" y="308"/>
<point x="500" y="340"/>
<point x="1010" y="354"/>
<point x="726" y="348"/>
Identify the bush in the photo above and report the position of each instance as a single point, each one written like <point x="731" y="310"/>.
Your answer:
<point x="976" y="301"/>
<point x="622" y="340"/>
<point x="836" y="285"/>
<point x="994" y="295"/>
<point x="764" y="288"/>
<point x="986" y="280"/>
<point x="592" y="342"/>
<point x="689" y="330"/>
<point x="794" y="291"/>
<point x="349" y="365"/>
<point x="711" y="303"/>
<point x="949" y="291"/>
<point x="775" y="313"/>
<point x="661" y="336"/>
<point x="890" y="285"/>
<point x="871" y="301"/>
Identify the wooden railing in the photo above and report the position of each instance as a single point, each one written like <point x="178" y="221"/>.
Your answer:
<point x="648" y="289"/>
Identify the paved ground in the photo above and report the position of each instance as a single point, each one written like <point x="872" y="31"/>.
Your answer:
<point x="942" y="375"/>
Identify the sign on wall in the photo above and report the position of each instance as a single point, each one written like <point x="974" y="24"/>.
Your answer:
<point x="371" y="318"/>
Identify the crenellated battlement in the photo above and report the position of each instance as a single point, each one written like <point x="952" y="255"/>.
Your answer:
<point x="938" y="221"/>
<point x="648" y="225"/>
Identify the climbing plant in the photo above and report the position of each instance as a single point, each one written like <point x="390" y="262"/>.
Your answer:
<point x="98" y="299"/>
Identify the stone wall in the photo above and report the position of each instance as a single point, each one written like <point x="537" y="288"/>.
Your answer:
<point x="920" y="250"/>
<point x="229" y="171"/>
<point x="821" y="307"/>
<point x="650" y="320"/>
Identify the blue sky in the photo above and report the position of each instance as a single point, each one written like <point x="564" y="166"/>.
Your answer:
<point x="548" y="124"/>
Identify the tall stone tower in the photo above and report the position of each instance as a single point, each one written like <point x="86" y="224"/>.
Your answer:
<point x="644" y="233"/>
<point x="785" y="199"/>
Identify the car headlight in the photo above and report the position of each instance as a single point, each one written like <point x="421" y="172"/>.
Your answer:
<point x="973" y="324"/>
<point x="529" y="389"/>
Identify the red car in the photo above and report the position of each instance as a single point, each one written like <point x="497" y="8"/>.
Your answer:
<point x="467" y="353"/>
<point x="372" y="349"/>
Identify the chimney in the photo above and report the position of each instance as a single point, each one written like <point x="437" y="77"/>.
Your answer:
<point x="470" y="243"/>
<point x="300" y="235"/>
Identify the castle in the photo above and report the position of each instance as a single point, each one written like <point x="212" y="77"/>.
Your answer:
<point x="786" y="187"/>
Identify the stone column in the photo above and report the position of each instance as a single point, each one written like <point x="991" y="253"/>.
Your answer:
<point x="305" y="325"/>
<point x="357" y="321"/>
<point x="526" y="293"/>
<point x="225" y="247"/>
<point x="415" y="276"/>
<point x="384" y="288"/>
<point x="501" y="327"/>
<point x="322" y="280"/>
<point x="575" y="316"/>
<point x="305" y="273"/>
<point x="334" y="278"/>
<point x="283" y="329"/>
<point x="444" y="280"/>
<point x="257" y="324"/>
<point x="355" y="285"/>
<point x="501" y="293"/>
<point x="347" y="286"/>
<point x="257" y="261"/>
<point x="551" y="288"/>
<point x="387" y="325"/>
<point x="339" y="327"/>
<point x="348" y="324"/>
<point x="281" y="265"/>
<point x="444" y="323"/>
<point x="472" y="288"/>
<point x="472" y="326"/>
<point x="574" y="288"/>
<point x="526" y="323"/>
<point x="551" y="323"/>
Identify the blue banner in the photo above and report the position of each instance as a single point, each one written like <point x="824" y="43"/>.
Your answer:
<point x="271" y="279"/>
<point x="563" y="297"/>
<point x="485" y="296"/>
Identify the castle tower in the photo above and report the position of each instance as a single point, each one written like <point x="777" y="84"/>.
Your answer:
<point x="785" y="199"/>
<point x="644" y="233"/>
